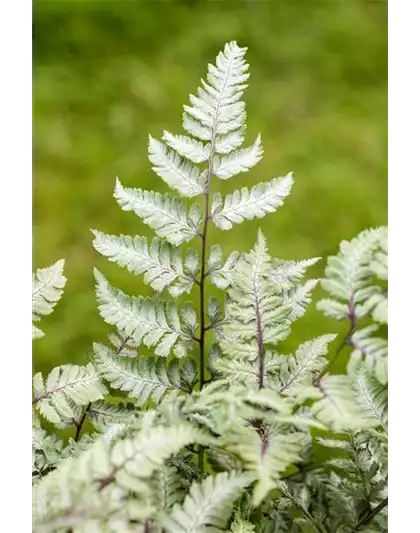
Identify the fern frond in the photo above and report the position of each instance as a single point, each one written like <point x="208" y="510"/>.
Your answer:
<point x="223" y="461"/>
<point x="221" y="274"/>
<point x="142" y="378"/>
<point x="379" y="264"/>
<point x="244" y="204"/>
<point x="286" y="274"/>
<point x="195" y="151"/>
<point x="240" y="525"/>
<point x="46" y="455"/>
<point x="370" y="353"/>
<point x="225" y="144"/>
<point x="178" y="173"/>
<point x="241" y="365"/>
<point x="377" y="305"/>
<point x="68" y="497"/>
<point x="37" y="333"/>
<point x="374" y="396"/>
<point x="265" y="454"/>
<point x="207" y="504"/>
<point x="168" y="487"/>
<point x="240" y="161"/>
<point x="135" y="459"/>
<point x="238" y="370"/>
<point x="333" y="309"/>
<point x="66" y="385"/>
<point x="154" y="323"/>
<point x="103" y="415"/>
<point x="124" y="345"/>
<point x="254" y="308"/>
<point x="47" y="450"/>
<point x="165" y="214"/>
<point x="299" y="370"/>
<point x="358" y="477"/>
<point x="348" y="275"/>
<point x="232" y="349"/>
<point x="298" y="298"/>
<point x="160" y="262"/>
<point x="341" y="407"/>
<point x="47" y="289"/>
<point x="342" y="507"/>
<point x="310" y="517"/>
<point x="218" y="110"/>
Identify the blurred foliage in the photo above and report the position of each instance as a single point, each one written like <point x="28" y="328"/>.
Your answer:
<point x="108" y="73"/>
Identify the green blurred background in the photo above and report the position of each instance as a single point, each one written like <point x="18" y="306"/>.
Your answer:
<point x="108" y="73"/>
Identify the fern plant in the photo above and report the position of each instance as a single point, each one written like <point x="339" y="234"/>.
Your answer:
<point x="189" y="436"/>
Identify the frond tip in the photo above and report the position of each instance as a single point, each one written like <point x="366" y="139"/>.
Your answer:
<point x="218" y="111"/>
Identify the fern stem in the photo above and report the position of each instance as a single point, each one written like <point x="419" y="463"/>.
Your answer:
<point x="260" y="347"/>
<point x="345" y="342"/>
<point x="371" y="515"/>
<point x="202" y="282"/>
<point x="318" y="525"/>
<point x="365" y="483"/>
<point x="122" y="345"/>
<point x="202" y="287"/>
<point x="80" y="423"/>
